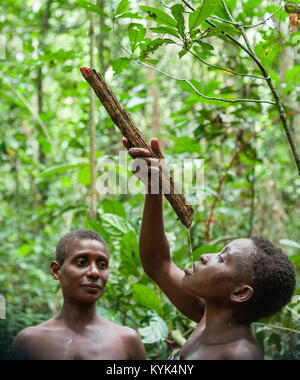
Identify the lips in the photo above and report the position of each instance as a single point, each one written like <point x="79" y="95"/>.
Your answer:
<point x="188" y="271"/>
<point x="91" y="285"/>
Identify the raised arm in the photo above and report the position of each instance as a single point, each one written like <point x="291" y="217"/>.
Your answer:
<point x="154" y="247"/>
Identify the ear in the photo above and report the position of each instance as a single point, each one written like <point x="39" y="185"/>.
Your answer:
<point x="242" y="293"/>
<point x="55" y="270"/>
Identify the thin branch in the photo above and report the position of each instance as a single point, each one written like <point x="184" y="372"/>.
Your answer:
<point x="234" y="158"/>
<point x="190" y="7"/>
<point x="202" y="95"/>
<point x="278" y="103"/>
<point x="189" y="83"/>
<point x="227" y="70"/>
<point x="271" y="327"/>
<point x="236" y="42"/>
<point x="221" y="20"/>
<point x="163" y="4"/>
<point x="293" y="8"/>
<point x="34" y="114"/>
<point x="267" y="19"/>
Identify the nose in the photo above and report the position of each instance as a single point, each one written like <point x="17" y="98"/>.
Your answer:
<point x="204" y="259"/>
<point x="93" y="271"/>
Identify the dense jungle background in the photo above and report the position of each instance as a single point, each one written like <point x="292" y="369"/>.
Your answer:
<point x="165" y="60"/>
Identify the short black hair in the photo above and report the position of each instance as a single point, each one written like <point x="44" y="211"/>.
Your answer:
<point x="82" y="234"/>
<point x="274" y="280"/>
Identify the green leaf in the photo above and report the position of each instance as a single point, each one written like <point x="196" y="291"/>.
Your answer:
<point x="113" y="206"/>
<point x="136" y="33"/>
<point x="177" y="11"/>
<point x="165" y="30"/>
<point x="130" y="15"/>
<point x="293" y="73"/>
<point x="84" y="176"/>
<point x="146" y="297"/>
<point x="23" y="251"/>
<point x="156" y="331"/>
<point x="152" y="46"/>
<point x="115" y="226"/>
<point x="122" y="7"/>
<point x="202" y="13"/>
<point x="205" y="45"/>
<point x="182" y="53"/>
<point x="90" y="7"/>
<point x="159" y="16"/>
<point x="205" y="249"/>
<point x="129" y="250"/>
<point x="60" y="169"/>
<point x="120" y="65"/>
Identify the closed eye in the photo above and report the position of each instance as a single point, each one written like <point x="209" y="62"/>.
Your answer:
<point x="220" y="259"/>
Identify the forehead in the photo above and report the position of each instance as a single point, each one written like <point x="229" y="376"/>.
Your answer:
<point x="240" y="247"/>
<point x="93" y="247"/>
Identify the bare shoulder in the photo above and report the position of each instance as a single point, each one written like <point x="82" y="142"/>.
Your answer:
<point x="132" y="341"/>
<point x="243" y="350"/>
<point x="24" y="342"/>
<point x="27" y="340"/>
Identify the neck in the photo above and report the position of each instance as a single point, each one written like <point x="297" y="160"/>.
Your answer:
<point x="221" y="326"/>
<point x="77" y="315"/>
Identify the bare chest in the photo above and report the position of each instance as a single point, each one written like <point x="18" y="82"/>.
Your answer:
<point x="194" y="349"/>
<point x="71" y="346"/>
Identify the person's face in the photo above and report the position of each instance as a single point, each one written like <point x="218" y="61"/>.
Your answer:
<point x="84" y="273"/>
<point x="217" y="276"/>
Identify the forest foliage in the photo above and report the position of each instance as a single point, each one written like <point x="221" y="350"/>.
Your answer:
<point x="178" y="67"/>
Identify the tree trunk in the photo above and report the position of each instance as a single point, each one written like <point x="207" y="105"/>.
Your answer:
<point x="93" y="149"/>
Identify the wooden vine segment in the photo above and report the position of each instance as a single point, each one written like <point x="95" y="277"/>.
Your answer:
<point x="124" y="122"/>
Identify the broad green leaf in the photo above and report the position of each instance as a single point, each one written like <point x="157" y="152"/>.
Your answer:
<point x="146" y="297"/>
<point x="156" y="331"/>
<point x="23" y="251"/>
<point x="250" y="6"/>
<point x="177" y="12"/>
<point x="205" y="249"/>
<point x="113" y="206"/>
<point x="122" y="7"/>
<point x="130" y="15"/>
<point x="185" y="144"/>
<point x="129" y="251"/>
<point x="120" y="65"/>
<point x="292" y="74"/>
<point x="90" y="7"/>
<point x="154" y="45"/>
<point x="98" y="227"/>
<point x="61" y="169"/>
<point x="136" y="33"/>
<point x="183" y="52"/>
<point x="205" y="45"/>
<point x="159" y="16"/>
<point x="84" y="175"/>
<point x="114" y="225"/>
<point x="202" y="13"/>
<point x="165" y="30"/>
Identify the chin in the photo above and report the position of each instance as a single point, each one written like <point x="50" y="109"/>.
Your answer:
<point x="90" y="299"/>
<point x="185" y="285"/>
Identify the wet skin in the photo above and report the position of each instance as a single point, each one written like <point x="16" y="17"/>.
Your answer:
<point x="211" y="294"/>
<point x="221" y="279"/>
<point x="78" y="332"/>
